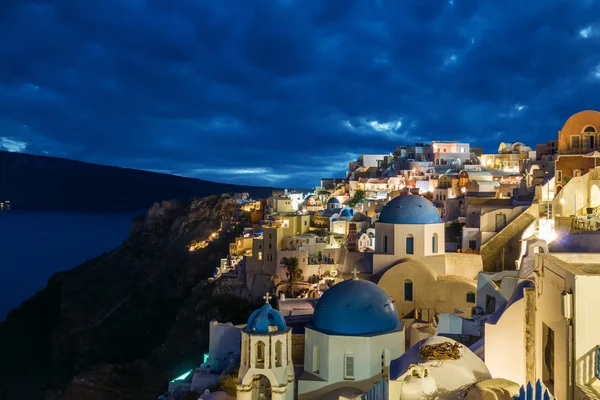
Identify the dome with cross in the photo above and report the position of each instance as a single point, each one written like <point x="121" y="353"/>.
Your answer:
<point x="266" y="320"/>
<point x="355" y="307"/>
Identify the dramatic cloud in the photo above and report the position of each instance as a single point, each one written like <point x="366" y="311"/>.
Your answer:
<point x="285" y="92"/>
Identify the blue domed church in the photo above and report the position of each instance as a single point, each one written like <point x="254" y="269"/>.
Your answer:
<point x="412" y="266"/>
<point x="353" y="336"/>
<point x="266" y="369"/>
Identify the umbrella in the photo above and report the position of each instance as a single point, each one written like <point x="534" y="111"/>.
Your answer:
<point x="594" y="155"/>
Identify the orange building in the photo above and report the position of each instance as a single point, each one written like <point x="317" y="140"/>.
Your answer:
<point x="577" y="141"/>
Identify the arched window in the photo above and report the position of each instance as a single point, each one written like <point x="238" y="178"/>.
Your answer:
<point x="385" y="243"/>
<point x="576" y="173"/>
<point x="589" y="129"/>
<point x="471" y="297"/>
<point x="349" y="366"/>
<point x="316" y="360"/>
<point x="260" y="354"/>
<point x="408" y="290"/>
<point x="410" y="244"/>
<point x="278" y="353"/>
<point x="434" y="243"/>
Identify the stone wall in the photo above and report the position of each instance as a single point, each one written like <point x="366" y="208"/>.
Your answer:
<point x="501" y="252"/>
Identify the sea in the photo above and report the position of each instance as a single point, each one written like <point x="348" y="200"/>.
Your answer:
<point x="35" y="245"/>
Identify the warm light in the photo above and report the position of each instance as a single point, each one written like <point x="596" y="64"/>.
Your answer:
<point x="562" y="201"/>
<point x="463" y="190"/>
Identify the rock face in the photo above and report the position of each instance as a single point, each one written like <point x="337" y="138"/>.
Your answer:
<point x="125" y="323"/>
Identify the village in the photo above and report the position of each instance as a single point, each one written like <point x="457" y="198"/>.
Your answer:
<point x="435" y="271"/>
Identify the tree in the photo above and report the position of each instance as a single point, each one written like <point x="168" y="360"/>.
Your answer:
<point x="359" y="197"/>
<point x="293" y="271"/>
<point x="454" y="231"/>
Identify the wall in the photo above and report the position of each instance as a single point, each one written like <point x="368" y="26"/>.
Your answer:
<point x="429" y="290"/>
<point x="461" y="264"/>
<point x="554" y="281"/>
<point x="567" y="164"/>
<point x="331" y="353"/>
<point x="223" y="339"/>
<point x="505" y="344"/>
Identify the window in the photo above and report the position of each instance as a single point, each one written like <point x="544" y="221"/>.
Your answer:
<point x="305" y="223"/>
<point x="316" y="360"/>
<point x="588" y="141"/>
<point x="589" y="129"/>
<point x="385" y="244"/>
<point x="471" y="297"/>
<point x="269" y="236"/>
<point x="575" y="141"/>
<point x="434" y="243"/>
<point x="473" y="244"/>
<point x="410" y="244"/>
<point x="349" y="366"/>
<point x="269" y="245"/>
<point x="278" y="354"/>
<point x="408" y="290"/>
<point x="260" y="255"/>
<point x="576" y="173"/>
<point x="260" y="354"/>
<point x="559" y="175"/>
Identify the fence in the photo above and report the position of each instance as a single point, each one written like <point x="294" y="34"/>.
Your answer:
<point x="528" y="392"/>
<point x="378" y="392"/>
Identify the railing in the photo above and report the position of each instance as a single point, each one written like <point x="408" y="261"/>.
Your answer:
<point x="377" y="392"/>
<point x="530" y="393"/>
<point x="575" y="151"/>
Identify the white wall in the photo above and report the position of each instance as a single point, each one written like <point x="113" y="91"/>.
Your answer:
<point x="505" y="344"/>
<point x="367" y="351"/>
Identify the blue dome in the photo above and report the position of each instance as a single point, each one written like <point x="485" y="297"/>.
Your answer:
<point x="333" y="200"/>
<point x="265" y="320"/>
<point x="355" y="308"/>
<point x="346" y="212"/>
<point x="409" y="209"/>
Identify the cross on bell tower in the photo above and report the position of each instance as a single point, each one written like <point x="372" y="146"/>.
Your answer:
<point x="267" y="297"/>
<point x="355" y="273"/>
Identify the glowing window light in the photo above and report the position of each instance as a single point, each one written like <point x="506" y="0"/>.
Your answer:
<point x="205" y="358"/>
<point x="182" y="377"/>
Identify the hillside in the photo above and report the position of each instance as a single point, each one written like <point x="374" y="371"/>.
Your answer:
<point x="42" y="183"/>
<point x="121" y="325"/>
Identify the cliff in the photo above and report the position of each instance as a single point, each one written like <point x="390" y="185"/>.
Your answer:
<point x="42" y="183"/>
<point x="125" y="323"/>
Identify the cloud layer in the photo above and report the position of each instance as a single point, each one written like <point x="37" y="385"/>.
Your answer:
<point x="285" y="92"/>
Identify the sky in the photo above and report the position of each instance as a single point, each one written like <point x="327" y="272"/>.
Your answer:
<point x="284" y="92"/>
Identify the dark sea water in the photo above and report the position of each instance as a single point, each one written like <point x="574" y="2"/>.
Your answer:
<point x="35" y="245"/>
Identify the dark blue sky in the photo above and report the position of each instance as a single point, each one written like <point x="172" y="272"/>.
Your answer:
<point x="285" y="92"/>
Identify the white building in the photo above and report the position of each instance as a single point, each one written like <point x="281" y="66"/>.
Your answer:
<point x="549" y="329"/>
<point x="415" y="270"/>
<point x="351" y="340"/>
<point x="266" y="357"/>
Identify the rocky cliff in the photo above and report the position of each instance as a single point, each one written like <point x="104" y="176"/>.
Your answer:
<point x="125" y="323"/>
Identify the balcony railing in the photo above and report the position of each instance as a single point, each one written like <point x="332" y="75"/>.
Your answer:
<point x="575" y="151"/>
